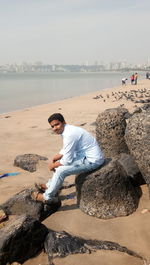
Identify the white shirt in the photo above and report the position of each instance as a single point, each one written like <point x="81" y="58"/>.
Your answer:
<point x="77" y="144"/>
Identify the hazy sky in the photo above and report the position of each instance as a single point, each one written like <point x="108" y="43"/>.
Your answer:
<point x="74" y="31"/>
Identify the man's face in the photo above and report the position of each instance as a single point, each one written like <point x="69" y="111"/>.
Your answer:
<point x="57" y="126"/>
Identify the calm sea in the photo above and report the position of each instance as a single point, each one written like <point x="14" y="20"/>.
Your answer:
<point x="19" y="91"/>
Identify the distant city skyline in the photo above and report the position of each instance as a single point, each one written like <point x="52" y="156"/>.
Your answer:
<point x="74" y="31"/>
<point x="39" y="67"/>
<point x="86" y="63"/>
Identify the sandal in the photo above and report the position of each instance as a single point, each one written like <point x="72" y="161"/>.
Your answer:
<point x="3" y="216"/>
<point x="40" y="187"/>
<point x="37" y="196"/>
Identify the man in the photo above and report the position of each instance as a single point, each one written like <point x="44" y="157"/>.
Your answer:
<point x="80" y="153"/>
<point x="124" y="81"/>
<point x="135" y="78"/>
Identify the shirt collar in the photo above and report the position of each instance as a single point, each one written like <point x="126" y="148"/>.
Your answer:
<point x="64" y="129"/>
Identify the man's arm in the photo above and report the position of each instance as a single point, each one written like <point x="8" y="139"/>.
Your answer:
<point x="55" y="163"/>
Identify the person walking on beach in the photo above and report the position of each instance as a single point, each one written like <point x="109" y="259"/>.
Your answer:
<point x="132" y="79"/>
<point x="135" y="78"/>
<point x="80" y="153"/>
<point x="124" y="81"/>
<point x="147" y="75"/>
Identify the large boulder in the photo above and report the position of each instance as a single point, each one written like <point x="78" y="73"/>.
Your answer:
<point x="28" y="161"/>
<point x="110" y="130"/>
<point x="107" y="192"/>
<point x="22" y="238"/>
<point x="128" y="164"/>
<point x="137" y="137"/>
<point x="22" y="203"/>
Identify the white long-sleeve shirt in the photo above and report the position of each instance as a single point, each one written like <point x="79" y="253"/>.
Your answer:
<point x="78" y="144"/>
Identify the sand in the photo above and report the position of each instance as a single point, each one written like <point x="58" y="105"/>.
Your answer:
<point x="27" y="131"/>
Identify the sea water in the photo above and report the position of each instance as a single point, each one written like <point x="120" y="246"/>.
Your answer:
<point x="23" y="90"/>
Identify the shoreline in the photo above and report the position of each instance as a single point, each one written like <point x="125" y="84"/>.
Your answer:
<point x="27" y="131"/>
<point x="109" y="89"/>
<point x="38" y="91"/>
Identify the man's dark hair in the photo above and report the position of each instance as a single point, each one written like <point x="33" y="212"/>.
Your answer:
<point x="56" y="116"/>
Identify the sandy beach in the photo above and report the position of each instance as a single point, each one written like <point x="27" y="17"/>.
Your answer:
<point x="27" y="131"/>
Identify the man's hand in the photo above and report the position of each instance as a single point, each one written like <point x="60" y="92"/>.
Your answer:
<point x="57" y="157"/>
<point x="54" y="165"/>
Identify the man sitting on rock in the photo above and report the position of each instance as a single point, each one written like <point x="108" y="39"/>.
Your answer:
<point x="80" y="153"/>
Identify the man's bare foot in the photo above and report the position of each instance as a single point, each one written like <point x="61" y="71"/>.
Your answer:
<point x="41" y="187"/>
<point x="37" y="196"/>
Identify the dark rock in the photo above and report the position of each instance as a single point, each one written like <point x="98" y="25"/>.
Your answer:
<point x="62" y="244"/>
<point x="137" y="137"/>
<point x="110" y="130"/>
<point x="21" y="239"/>
<point x="106" y="192"/>
<point x="22" y="203"/>
<point x="128" y="164"/>
<point x="28" y="161"/>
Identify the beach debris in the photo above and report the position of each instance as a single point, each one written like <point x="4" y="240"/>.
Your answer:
<point x="22" y="203"/>
<point x="9" y="174"/>
<point x="22" y="238"/>
<point x="6" y="117"/>
<point x="107" y="192"/>
<point x="28" y="161"/>
<point x="62" y="244"/>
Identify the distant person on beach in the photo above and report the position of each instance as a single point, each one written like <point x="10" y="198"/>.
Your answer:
<point x="147" y="75"/>
<point x="80" y="153"/>
<point x="132" y="79"/>
<point x="135" y="78"/>
<point x="124" y="81"/>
